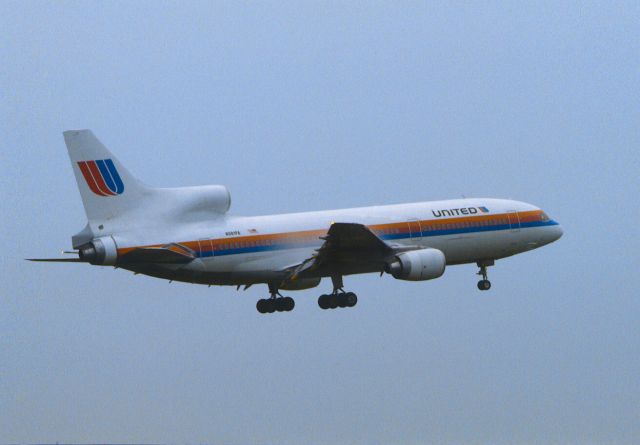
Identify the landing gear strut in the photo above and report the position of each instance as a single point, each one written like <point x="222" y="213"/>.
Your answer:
<point x="275" y="303"/>
<point x="337" y="298"/>
<point x="484" y="284"/>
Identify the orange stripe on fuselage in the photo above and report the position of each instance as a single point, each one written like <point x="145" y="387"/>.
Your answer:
<point x="380" y="229"/>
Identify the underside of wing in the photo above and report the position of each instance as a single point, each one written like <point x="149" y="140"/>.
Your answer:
<point x="348" y="248"/>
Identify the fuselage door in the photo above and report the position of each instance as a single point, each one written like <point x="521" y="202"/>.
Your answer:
<point x="415" y="228"/>
<point x="206" y="248"/>
<point x="514" y="220"/>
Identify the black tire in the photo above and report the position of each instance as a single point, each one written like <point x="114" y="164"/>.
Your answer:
<point x="289" y="304"/>
<point x="484" y="284"/>
<point x="333" y="301"/>
<point x="261" y="306"/>
<point x="323" y="301"/>
<point x="280" y="304"/>
<point x="351" y="298"/>
<point x="271" y="305"/>
<point x="342" y="300"/>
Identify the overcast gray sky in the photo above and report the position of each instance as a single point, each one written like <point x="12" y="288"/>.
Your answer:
<point x="314" y="105"/>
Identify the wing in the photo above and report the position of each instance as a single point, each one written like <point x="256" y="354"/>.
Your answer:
<point x="348" y="248"/>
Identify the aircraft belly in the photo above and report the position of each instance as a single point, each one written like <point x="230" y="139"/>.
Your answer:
<point x="190" y="272"/>
<point x="256" y="267"/>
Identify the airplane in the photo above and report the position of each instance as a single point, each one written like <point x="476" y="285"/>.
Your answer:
<point x="186" y="234"/>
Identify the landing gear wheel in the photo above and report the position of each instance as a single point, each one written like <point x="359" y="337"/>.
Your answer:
<point x="261" y="305"/>
<point x="323" y="301"/>
<point x="279" y="304"/>
<point x="337" y="298"/>
<point x="289" y="304"/>
<point x="484" y="284"/>
<point x="266" y="306"/>
<point x="276" y="303"/>
<point x="271" y="305"/>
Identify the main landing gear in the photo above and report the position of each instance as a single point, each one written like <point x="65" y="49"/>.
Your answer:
<point x="484" y="284"/>
<point x="276" y="303"/>
<point x="337" y="298"/>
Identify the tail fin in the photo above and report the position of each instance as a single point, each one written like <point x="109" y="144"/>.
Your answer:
<point x="108" y="190"/>
<point x="114" y="200"/>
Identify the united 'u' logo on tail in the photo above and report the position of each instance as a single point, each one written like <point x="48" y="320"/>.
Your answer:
<point x="102" y="177"/>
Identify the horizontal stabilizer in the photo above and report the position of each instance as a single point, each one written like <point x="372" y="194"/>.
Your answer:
<point x="57" y="260"/>
<point x="169" y="255"/>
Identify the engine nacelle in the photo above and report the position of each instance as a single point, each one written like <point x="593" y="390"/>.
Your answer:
<point x="417" y="265"/>
<point x="101" y="251"/>
<point x="300" y="284"/>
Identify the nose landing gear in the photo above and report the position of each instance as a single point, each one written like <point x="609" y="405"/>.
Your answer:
<point x="484" y="284"/>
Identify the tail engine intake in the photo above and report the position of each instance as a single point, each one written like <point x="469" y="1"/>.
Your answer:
<point x="101" y="251"/>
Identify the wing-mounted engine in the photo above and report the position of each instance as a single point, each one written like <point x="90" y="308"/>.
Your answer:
<point x="417" y="265"/>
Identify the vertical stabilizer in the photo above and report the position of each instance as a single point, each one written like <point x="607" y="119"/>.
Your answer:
<point x="107" y="189"/>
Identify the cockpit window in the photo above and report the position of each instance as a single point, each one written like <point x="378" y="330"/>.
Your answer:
<point x="544" y="217"/>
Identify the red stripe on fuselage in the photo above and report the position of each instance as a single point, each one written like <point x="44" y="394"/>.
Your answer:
<point x="89" y="178"/>
<point x="310" y="236"/>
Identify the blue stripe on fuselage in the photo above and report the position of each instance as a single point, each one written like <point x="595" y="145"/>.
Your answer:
<point x="394" y="236"/>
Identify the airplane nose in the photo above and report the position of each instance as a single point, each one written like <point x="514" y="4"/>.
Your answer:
<point x="555" y="232"/>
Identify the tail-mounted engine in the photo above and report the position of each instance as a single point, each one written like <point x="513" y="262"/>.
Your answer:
<point x="101" y="251"/>
<point x="417" y="265"/>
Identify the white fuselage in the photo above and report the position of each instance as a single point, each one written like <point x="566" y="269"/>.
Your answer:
<point x="186" y="234"/>
<point x="259" y="249"/>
